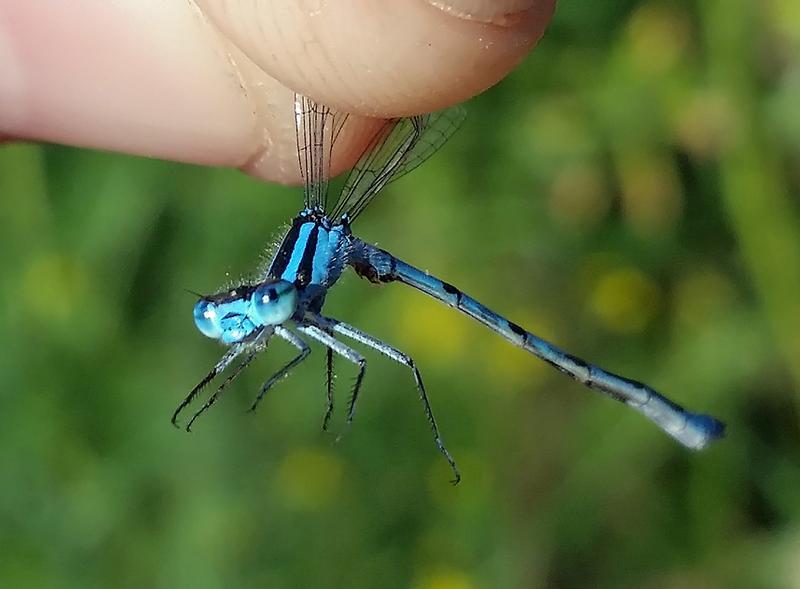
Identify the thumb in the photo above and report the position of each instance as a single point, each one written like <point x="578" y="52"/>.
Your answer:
<point x="211" y="83"/>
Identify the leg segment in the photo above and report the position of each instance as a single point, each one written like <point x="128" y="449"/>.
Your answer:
<point x="219" y="367"/>
<point x="213" y="398"/>
<point x="329" y="376"/>
<point x="346" y="352"/>
<point x="398" y="356"/>
<point x="283" y="372"/>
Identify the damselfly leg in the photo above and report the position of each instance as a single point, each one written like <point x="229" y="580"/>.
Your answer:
<point x="330" y="377"/>
<point x="406" y="360"/>
<point x="346" y="352"/>
<point x="303" y="352"/>
<point x="233" y="352"/>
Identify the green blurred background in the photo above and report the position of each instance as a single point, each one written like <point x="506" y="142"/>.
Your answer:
<point x="629" y="192"/>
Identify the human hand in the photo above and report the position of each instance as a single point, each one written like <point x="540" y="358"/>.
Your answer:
<point x="211" y="81"/>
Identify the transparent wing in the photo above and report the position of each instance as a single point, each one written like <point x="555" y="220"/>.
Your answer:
<point x="396" y="149"/>
<point x="316" y="127"/>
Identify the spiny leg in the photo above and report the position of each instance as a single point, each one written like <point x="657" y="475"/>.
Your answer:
<point x="329" y="377"/>
<point x="220" y="366"/>
<point x="346" y="352"/>
<point x="283" y="372"/>
<point x="398" y="356"/>
<point x="213" y="398"/>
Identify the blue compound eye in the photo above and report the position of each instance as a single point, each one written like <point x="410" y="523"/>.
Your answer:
<point x="206" y="318"/>
<point x="274" y="302"/>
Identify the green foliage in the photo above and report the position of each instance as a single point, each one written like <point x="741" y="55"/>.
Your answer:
<point x="630" y="193"/>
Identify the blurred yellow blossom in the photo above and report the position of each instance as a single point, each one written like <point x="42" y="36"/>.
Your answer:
<point x="310" y="478"/>
<point x="625" y="300"/>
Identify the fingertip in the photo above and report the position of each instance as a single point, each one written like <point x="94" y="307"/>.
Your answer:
<point x="503" y="13"/>
<point x="209" y="83"/>
<point x="274" y="154"/>
<point x="384" y="59"/>
<point x="138" y="77"/>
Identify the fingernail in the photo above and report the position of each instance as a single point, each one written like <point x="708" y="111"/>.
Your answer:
<point x="497" y="12"/>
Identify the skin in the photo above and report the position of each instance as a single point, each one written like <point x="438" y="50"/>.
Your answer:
<point x="211" y="82"/>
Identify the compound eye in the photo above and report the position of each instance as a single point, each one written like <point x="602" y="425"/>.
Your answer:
<point x="207" y="319"/>
<point x="274" y="302"/>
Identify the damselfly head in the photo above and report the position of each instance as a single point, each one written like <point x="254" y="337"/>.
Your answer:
<point x="226" y="318"/>
<point x="236" y="314"/>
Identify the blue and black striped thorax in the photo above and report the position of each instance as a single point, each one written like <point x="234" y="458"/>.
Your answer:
<point x="314" y="251"/>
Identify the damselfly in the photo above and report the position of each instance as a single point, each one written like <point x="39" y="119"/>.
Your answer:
<point x="286" y="299"/>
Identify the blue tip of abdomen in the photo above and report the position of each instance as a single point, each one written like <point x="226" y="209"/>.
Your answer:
<point x="711" y="427"/>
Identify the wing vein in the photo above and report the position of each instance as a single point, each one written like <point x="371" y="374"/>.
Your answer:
<point x="399" y="146"/>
